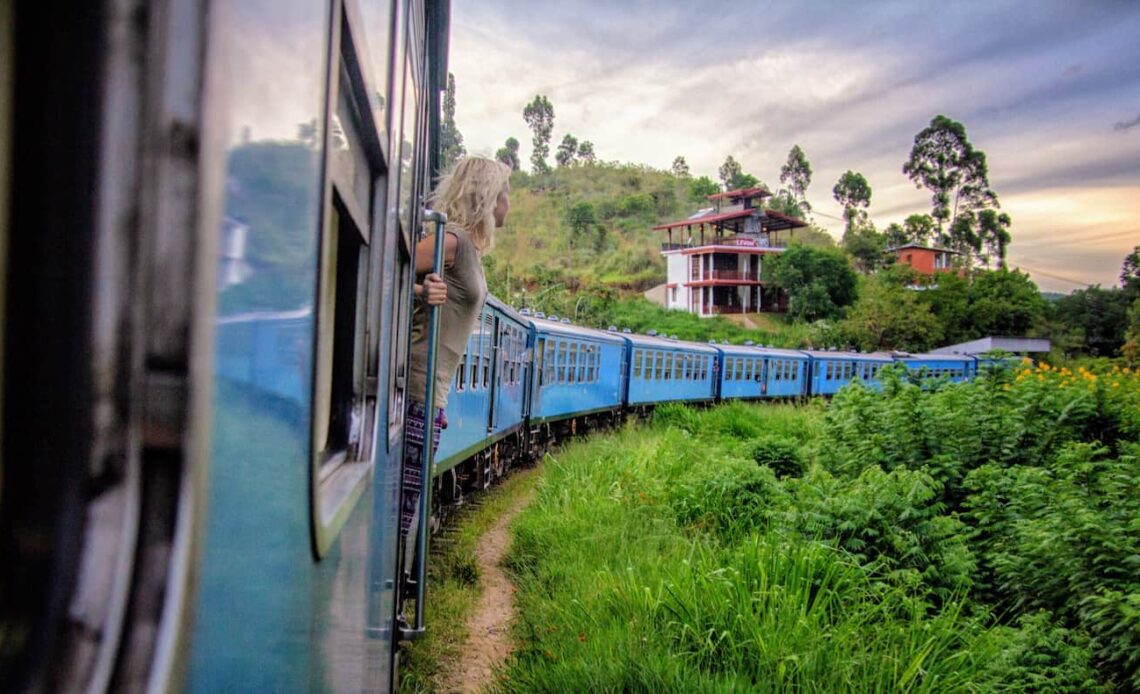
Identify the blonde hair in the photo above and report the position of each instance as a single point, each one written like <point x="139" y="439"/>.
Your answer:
<point x="467" y="194"/>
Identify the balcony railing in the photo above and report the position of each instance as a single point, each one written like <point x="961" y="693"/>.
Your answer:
<point x="739" y="275"/>
<point x="738" y="241"/>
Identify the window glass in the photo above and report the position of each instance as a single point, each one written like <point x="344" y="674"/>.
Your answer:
<point x="561" y="361"/>
<point x="637" y="358"/>
<point x="583" y="355"/>
<point x="549" y="362"/>
<point x="572" y="363"/>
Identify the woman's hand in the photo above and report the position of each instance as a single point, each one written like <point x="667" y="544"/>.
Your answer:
<point x="434" y="290"/>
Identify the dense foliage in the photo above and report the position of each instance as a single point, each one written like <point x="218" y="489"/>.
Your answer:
<point x="979" y="536"/>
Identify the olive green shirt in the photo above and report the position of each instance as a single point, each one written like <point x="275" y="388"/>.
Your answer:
<point x="466" y="292"/>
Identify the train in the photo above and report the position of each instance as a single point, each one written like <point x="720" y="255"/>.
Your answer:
<point x="527" y="381"/>
<point x="207" y="215"/>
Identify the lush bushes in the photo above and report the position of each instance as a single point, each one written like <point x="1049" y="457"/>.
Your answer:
<point x="980" y="536"/>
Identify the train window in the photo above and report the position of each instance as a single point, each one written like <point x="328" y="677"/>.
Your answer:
<point x="595" y="367"/>
<point x="739" y="369"/>
<point x="637" y="358"/>
<point x="728" y="368"/>
<point x="678" y="366"/>
<point x="487" y="349"/>
<point x="540" y="359"/>
<point x="572" y="363"/>
<point x="667" y="370"/>
<point x="583" y="355"/>
<point x="549" y="362"/>
<point x="561" y="361"/>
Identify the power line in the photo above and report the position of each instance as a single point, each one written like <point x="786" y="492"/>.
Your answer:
<point x="1096" y="237"/>
<point x="1049" y="274"/>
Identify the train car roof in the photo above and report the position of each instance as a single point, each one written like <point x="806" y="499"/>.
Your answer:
<point x="927" y="356"/>
<point x="862" y="356"/>
<point x="557" y="327"/>
<point x="658" y="342"/>
<point x="498" y="305"/>
<point x="778" y="352"/>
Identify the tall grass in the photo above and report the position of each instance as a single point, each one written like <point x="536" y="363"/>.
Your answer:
<point x="667" y="558"/>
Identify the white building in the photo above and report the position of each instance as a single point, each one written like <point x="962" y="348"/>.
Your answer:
<point x="715" y="259"/>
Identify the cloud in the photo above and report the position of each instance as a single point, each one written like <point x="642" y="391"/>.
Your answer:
<point x="1122" y="126"/>
<point x="649" y="81"/>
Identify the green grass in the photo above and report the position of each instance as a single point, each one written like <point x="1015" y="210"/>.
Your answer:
<point x="454" y="585"/>
<point x="665" y="558"/>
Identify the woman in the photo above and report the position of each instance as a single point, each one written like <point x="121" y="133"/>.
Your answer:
<point x="475" y="196"/>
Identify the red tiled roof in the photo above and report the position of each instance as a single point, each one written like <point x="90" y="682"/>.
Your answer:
<point x="776" y="221"/>
<point x="742" y="193"/>
<point x="705" y="220"/>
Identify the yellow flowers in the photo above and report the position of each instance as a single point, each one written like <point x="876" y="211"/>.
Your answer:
<point x="1114" y="379"/>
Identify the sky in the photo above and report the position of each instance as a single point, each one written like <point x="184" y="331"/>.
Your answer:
<point x="1049" y="90"/>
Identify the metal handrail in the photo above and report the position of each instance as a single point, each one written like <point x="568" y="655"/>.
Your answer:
<point x="427" y="453"/>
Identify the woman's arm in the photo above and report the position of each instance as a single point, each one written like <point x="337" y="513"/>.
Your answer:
<point x="425" y="252"/>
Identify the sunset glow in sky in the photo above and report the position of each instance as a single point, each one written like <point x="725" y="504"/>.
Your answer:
<point x="1050" y="91"/>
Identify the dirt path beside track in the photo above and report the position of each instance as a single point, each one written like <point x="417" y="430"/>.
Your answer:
<point x="489" y="629"/>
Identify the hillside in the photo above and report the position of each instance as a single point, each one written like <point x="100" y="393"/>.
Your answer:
<point x="579" y="242"/>
<point x="589" y="226"/>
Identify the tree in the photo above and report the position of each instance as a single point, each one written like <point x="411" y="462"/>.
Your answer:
<point x="681" y="168"/>
<point x="917" y="228"/>
<point x="852" y="192"/>
<point x="733" y="176"/>
<point x="567" y="151"/>
<point x="784" y="203"/>
<point x="888" y="316"/>
<point x="580" y="217"/>
<point x="509" y="154"/>
<point x="1130" y="274"/>
<point x="586" y="153"/>
<point x="949" y="301"/>
<point x="1098" y="316"/>
<point x="539" y="117"/>
<point x="1131" y="349"/>
<point x="1004" y="302"/>
<point x="729" y="171"/>
<point x="866" y="246"/>
<point x="819" y="282"/>
<point x="943" y="161"/>
<point x="993" y="232"/>
<point x="450" y="139"/>
<point x="796" y="175"/>
<point x="701" y="188"/>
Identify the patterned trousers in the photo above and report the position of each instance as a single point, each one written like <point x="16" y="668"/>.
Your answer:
<point x="414" y="420"/>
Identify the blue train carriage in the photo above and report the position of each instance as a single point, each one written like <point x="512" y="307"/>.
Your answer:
<point x="740" y="375"/>
<point x="932" y="367"/>
<point x="265" y="351"/>
<point x="785" y="372"/>
<point x="663" y="369"/>
<point x="577" y="379"/>
<point x="831" y="370"/>
<point x="222" y="221"/>
<point x="486" y="409"/>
